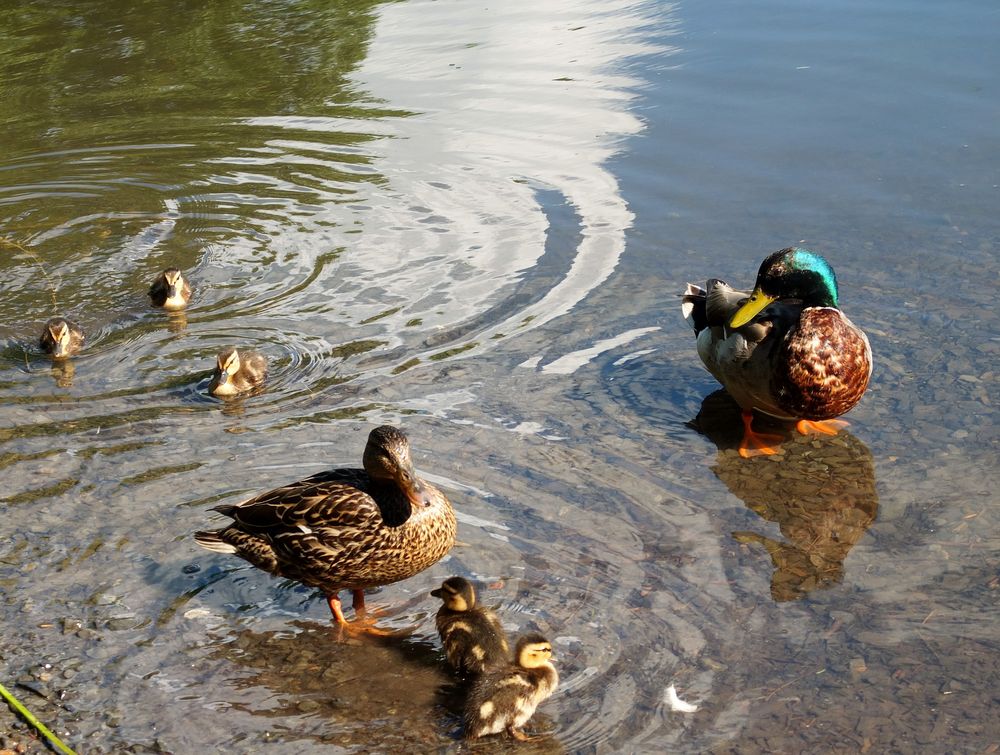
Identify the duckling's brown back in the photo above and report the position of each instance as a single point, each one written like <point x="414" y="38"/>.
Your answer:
<point x="474" y="640"/>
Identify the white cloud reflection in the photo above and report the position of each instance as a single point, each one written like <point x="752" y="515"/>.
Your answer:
<point x="511" y="99"/>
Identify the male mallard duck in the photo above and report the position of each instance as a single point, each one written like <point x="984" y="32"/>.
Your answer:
<point x="170" y="290"/>
<point x="504" y="699"/>
<point x="472" y="636"/>
<point x="237" y="372"/>
<point x="784" y="349"/>
<point x="61" y="338"/>
<point x="345" y="529"/>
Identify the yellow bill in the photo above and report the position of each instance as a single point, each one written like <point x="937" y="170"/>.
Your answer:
<point x="754" y="305"/>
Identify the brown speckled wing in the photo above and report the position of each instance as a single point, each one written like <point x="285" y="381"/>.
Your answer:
<point x="823" y="367"/>
<point x="255" y="549"/>
<point x="328" y="532"/>
<point x="330" y="498"/>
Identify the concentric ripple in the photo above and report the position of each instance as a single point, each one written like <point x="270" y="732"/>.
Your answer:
<point x="376" y="197"/>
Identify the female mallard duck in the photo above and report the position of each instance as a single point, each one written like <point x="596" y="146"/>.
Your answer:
<point x="504" y="699"/>
<point x="170" y="290"/>
<point x="237" y="372"/>
<point x="345" y="529"/>
<point x="472" y="636"/>
<point x="61" y="338"/>
<point x="784" y="349"/>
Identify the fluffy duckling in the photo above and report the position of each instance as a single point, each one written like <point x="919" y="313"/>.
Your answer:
<point x="473" y="639"/>
<point x="61" y="338"/>
<point x="504" y="699"/>
<point x="344" y="529"/>
<point x="237" y="372"/>
<point x="170" y="290"/>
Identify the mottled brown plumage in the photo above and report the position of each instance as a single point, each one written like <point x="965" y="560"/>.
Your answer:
<point x="345" y="529"/>
<point x="823" y="366"/>
<point x="61" y="338"/>
<point x="472" y="636"/>
<point x="784" y="349"/>
<point x="170" y="290"/>
<point x="505" y="699"/>
<point x="237" y="372"/>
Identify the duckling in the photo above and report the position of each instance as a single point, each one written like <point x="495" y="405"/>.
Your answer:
<point x="237" y="372"/>
<point x="170" y="290"/>
<point x="472" y="636"/>
<point x="61" y="338"/>
<point x="345" y="529"/>
<point x="504" y="699"/>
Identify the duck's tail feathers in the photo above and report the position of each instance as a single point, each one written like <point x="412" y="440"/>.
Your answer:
<point x="226" y="509"/>
<point x="693" y="307"/>
<point x="211" y="541"/>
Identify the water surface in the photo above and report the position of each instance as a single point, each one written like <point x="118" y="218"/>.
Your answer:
<point x="473" y="221"/>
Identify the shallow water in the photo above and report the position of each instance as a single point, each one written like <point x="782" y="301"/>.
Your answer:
<point x="473" y="221"/>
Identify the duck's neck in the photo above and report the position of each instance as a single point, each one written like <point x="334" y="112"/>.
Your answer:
<point x="392" y="502"/>
<point x="546" y="677"/>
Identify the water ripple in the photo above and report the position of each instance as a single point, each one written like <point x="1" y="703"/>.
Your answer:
<point x="423" y="187"/>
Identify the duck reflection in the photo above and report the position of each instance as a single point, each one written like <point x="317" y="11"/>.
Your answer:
<point x="177" y="321"/>
<point x="234" y="408"/>
<point x="62" y="372"/>
<point x="821" y="494"/>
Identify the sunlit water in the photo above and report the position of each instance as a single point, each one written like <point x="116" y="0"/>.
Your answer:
<point x="473" y="221"/>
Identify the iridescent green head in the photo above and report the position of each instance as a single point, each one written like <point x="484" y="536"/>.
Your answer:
<point x="791" y="273"/>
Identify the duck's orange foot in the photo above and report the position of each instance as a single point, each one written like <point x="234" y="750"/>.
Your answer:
<point x="757" y="444"/>
<point x="821" y="427"/>
<point x="519" y="734"/>
<point x="364" y="624"/>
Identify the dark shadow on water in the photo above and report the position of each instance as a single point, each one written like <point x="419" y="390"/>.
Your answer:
<point x="383" y="694"/>
<point x="358" y="690"/>
<point x="820" y="492"/>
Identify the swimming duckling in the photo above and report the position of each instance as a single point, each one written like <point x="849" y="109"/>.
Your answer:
<point x="170" y="290"/>
<point x="237" y="372"/>
<point x="506" y="698"/>
<point x="61" y="338"/>
<point x="472" y="636"/>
